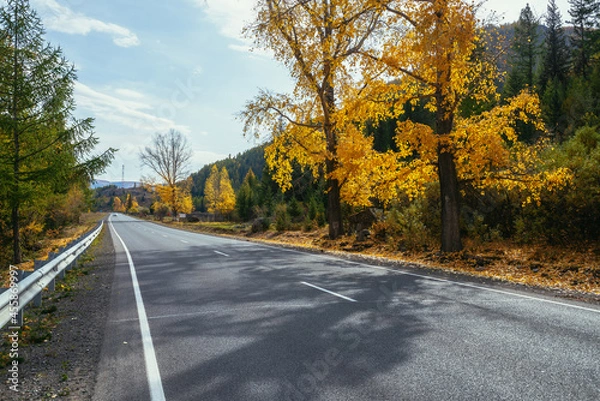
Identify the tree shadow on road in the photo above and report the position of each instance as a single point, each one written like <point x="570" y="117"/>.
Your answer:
<point x="245" y="328"/>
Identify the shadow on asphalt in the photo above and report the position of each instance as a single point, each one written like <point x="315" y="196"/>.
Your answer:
<point x="258" y="334"/>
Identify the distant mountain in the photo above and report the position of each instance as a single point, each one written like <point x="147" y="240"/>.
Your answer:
<point x="118" y="184"/>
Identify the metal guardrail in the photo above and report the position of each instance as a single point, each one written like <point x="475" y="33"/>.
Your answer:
<point x="29" y="288"/>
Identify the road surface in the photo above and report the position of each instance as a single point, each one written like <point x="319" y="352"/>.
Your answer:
<point x="196" y="317"/>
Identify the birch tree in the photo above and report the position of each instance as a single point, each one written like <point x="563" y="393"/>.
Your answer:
<point x="320" y="42"/>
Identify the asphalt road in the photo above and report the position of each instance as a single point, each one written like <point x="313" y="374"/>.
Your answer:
<point x="219" y="319"/>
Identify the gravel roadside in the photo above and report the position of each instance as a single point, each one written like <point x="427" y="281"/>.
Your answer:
<point x="64" y="342"/>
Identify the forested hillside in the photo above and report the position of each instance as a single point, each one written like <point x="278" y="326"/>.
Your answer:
<point x="237" y="167"/>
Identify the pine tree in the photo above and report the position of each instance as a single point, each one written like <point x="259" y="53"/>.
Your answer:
<point x="246" y="197"/>
<point x="524" y="55"/>
<point x="554" y="71"/>
<point x="584" y="14"/>
<point x="555" y="62"/>
<point x="44" y="149"/>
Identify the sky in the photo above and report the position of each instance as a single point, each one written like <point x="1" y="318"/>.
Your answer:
<point x="147" y="66"/>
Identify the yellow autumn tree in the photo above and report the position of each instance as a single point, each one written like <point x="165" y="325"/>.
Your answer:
<point x="320" y="42"/>
<point x="177" y="198"/>
<point x="135" y="206"/>
<point x="435" y="56"/>
<point x="211" y="190"/>
<point x="118" y="205"/>
<point x="361" y="62"/>
<point x="219" y="195"/>
<point x="226" y="202"/>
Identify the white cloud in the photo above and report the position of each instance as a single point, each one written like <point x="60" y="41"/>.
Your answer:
<point x="229" y="15"/>
<point x="253" y="50"/>
<point x="129" y="93"/>
<point x="134" y="114"/>
<point x="63" y="19"/>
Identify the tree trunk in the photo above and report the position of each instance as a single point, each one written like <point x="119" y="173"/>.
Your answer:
<point x="450" y="202"/>
<point x="15" y="196"/>
<point x="17" y="255"/>
<point x="448" y="178"/>
<point x="334" y="205"/>
<point x="174" y="202"/>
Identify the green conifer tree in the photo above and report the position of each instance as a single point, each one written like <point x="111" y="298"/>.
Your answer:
<point x="44" y="148"/>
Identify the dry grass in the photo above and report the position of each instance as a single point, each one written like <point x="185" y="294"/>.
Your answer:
<point x="55" y="240"/>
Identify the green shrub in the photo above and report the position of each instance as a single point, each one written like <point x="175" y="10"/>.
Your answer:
<point x="260" y="224"/>
<point x="405" y="228"/>
<point x="283" y="220"/>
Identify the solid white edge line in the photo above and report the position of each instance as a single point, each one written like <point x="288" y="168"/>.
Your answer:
<point x="482" y="288"/>
<point x="154" y="381"/>
<point x="515" y="294"/>
<point x="329" y="292"/>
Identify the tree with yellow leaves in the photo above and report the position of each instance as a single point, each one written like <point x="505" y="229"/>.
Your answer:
<point x="320" y="42"/>
<point x="360" y="62"/>
<point x="435" y="56"/>
<point x="211" y="190"/>
<point x="134" y="208"/>
<point x="118" y="205"/>
<point x="177" y="198"/>
<point x="219" y="195"/>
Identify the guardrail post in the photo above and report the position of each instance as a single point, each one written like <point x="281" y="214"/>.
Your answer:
<point x="37" y="301"/>
<point x="52" y="285"/>
<point x="20" y="318"/>
<point x="38" y="264"/>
